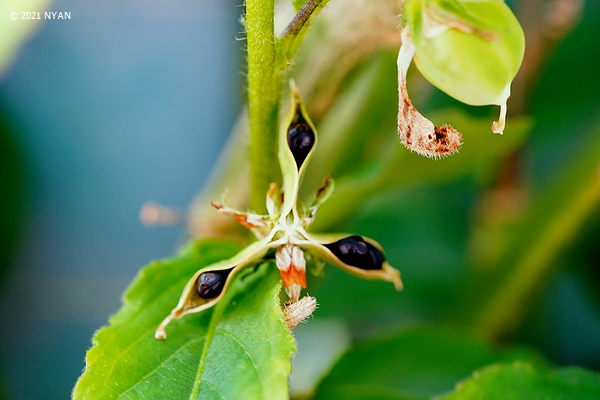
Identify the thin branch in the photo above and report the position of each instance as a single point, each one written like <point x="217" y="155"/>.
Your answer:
<point x="294" y="27"/>
<point x="293" y="34"/>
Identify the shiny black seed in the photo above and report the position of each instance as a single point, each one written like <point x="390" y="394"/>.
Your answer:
<point x="301" y="139"/>
<point x="356" y="252"/>
<point x="210" y="284"/>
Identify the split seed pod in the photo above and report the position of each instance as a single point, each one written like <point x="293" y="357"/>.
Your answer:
<point x="194" y="300"/>
<point x="284" y="232"/>
<point x="346" y="252"/>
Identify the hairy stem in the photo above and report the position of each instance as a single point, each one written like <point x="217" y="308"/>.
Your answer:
<point x="268" y="59"/>
<point x="264" y="86"/>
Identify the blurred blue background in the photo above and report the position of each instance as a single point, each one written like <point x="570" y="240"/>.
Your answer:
<point x="124" y="103"/>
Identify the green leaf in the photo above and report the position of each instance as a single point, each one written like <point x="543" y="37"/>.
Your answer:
<point x="414" y="364"/>
<point x="220" y="353"/>
<point x="522" y="381"/>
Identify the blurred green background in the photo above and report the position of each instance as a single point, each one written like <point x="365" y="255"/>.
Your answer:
<point x="124" y="103"/>
<point x="129" y="102"/>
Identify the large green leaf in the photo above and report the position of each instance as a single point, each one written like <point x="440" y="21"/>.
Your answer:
<point x="521" y="381"/>
<point x="240" y="348"/>
<point x="414" y="364"/>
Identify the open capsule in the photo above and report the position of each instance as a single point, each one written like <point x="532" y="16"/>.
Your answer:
<point x="357" y="255"/>
<point x="355" y="251"/>
<point x="208" y="285"/>
<point x="297" y="141"/>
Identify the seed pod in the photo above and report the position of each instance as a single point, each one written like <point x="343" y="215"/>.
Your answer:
<point x="297" y="141"/>
<point x="301" y="139"/>
<point x="210" y="284"/>
<point x="355" y="252"/>
<point x="357" y="255"/>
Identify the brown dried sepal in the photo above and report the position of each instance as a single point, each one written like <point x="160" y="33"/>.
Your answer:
<point x="419" y="134"/>
<point x="256" y="223"/>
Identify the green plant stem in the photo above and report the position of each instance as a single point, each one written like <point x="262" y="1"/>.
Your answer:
<point x="264" y="87"/>
<point x="268" y="59"/>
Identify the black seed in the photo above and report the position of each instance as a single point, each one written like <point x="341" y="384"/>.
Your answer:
<point x="210" y="284"/>
<point x="301" y="139"/>
<point x="356" y="252"/>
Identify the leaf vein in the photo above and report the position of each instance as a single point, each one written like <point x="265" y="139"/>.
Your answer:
<point x="161" y="364"/>
<point x="213" y="386"/>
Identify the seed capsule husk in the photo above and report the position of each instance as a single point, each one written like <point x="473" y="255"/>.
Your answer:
<point x="356" y="252"/>
<point x="191" y="301"/>
<point x="320" y="247"/>
<point x="416" y="132"/>
<point x="297" y="141"/>
<point x="284" y="232"/>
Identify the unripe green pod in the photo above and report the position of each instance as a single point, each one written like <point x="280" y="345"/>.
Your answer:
<point x="470" y="49"/>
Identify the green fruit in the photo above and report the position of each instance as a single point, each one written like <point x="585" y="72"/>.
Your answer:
<point x="470" y="49"/>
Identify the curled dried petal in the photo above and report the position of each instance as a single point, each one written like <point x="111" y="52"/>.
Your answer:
<point x="416" y="132"/>
<point x="419" y="134"/>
